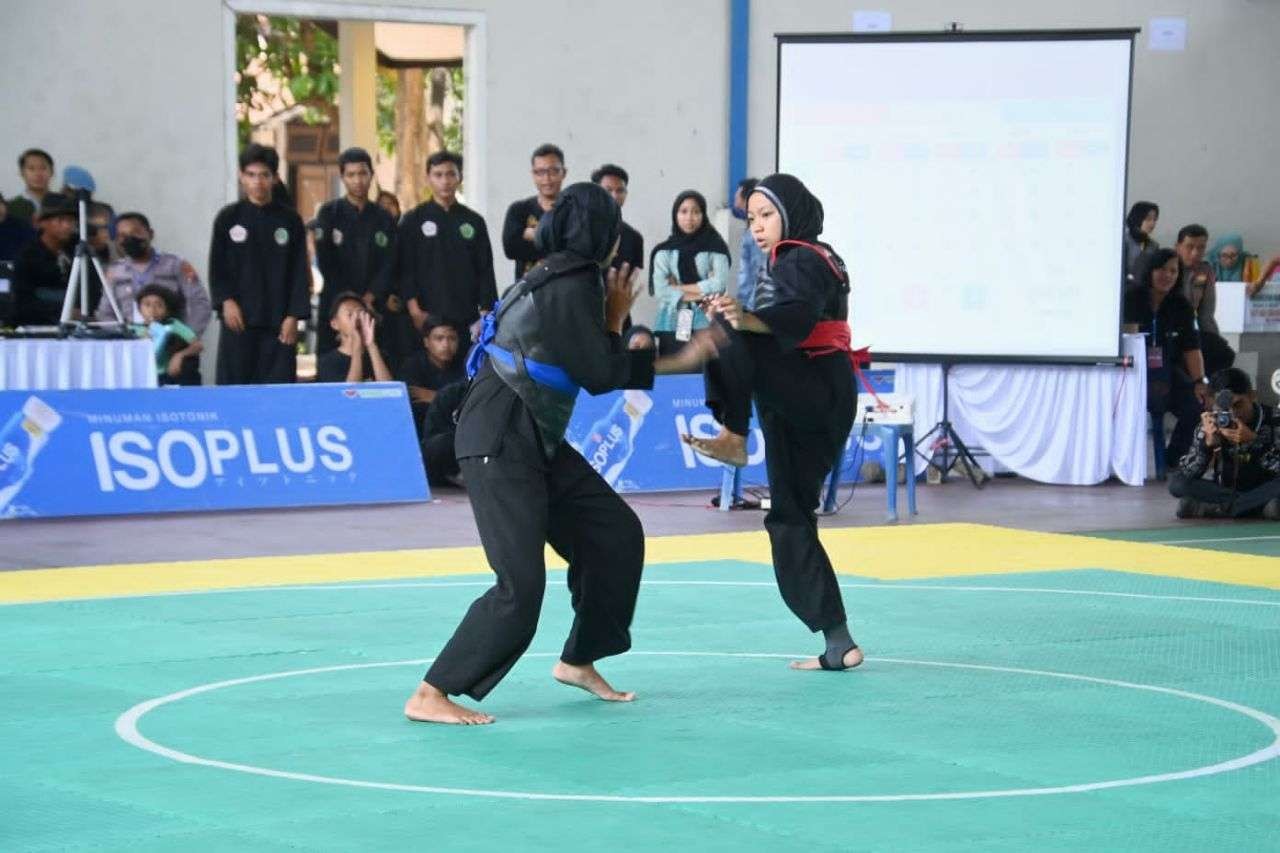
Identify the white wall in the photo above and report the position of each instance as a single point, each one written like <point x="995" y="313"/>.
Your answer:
<point x="137" y="95"/>
<point x="136" y="92"/>
<point x="1204" y="120"/>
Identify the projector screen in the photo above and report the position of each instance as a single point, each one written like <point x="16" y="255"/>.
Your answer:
<point x="974" y="183"/>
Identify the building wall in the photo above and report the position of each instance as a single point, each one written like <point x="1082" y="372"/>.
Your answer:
<point x="137" y="95"/>
<point x="1203" y="119"/>
<point x="136" y="92"/>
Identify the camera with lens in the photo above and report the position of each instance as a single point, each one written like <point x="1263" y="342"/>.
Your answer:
<point x="1223" y="417"/>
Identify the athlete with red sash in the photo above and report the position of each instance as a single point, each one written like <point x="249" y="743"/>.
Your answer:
<point x="792" y="354"/>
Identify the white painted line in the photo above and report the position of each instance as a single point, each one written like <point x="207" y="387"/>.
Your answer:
<point x="126" y="727"/>
<point x="321" y="587"/>
<point x="1194" y="541"/>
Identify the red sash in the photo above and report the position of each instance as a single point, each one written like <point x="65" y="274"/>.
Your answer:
<point x="830" y="336"/>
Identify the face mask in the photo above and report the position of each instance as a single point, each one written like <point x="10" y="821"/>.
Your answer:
<point x="135" y="247"/>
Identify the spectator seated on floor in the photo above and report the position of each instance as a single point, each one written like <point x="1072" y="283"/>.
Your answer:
<point x="176" y="343"/>
<point x="357" y="358"/>
<point x="1239" y="442"/>
<point x="432" y="367"/>
<point x="438" y="430"/>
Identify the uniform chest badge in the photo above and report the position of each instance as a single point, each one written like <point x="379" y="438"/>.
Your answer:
<point x="467" y="230"/>
<point x="238" y="234"/>
<point x="282" y="236"/>
<point x="429" y="229"/>
<point x="380" y="239"/>
<point x="337" y="237"/>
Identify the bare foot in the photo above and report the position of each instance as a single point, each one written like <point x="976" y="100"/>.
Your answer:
<point x="590" y="680"/>
<point x="727" y="447"/>
<point x="852" y="658"/>
<point x="429" y="705"/>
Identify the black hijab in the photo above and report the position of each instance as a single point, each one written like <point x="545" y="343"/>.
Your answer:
<point x="800" y="209"/>
<point x="1134" y="220"/>
<point x="705" y="239"/>
<point x="584" y="221"/>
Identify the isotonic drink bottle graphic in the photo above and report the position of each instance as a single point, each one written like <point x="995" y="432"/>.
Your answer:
<point x="611" y="440"/>
<point x="22" y="438"/>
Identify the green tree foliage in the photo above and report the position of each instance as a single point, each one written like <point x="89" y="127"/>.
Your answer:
<point x="299" y="56"/>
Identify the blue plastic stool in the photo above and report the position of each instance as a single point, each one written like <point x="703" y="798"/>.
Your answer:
<point x="890" y="436"/>
<point x="730" y="487"/>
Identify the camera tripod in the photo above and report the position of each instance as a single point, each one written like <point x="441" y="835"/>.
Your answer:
<point x="78" y="282"/>
<point x="953" y="449"/>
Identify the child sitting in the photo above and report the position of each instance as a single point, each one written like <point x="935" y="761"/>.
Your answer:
<point x="176" y="344"/>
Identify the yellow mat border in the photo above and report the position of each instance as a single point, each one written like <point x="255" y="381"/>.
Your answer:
<point x="886" y="553"/>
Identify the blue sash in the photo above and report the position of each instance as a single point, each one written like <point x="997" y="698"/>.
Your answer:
<point x="555" y="378"/>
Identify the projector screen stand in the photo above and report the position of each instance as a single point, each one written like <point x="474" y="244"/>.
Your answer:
<point x="950" y="446"/>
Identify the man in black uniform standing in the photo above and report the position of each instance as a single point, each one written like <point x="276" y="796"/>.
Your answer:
<point x="259" y="279"/>
<point x="354" y="244"/>
<point x="615" y="181"/>
<point x="522" y="218"/>
<point x="557" y="330"/>
<point x="444" y="267"/>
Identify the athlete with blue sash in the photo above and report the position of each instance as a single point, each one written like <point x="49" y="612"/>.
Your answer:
<point x="557" y="330"/>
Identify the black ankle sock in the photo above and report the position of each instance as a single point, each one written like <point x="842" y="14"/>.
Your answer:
<point x="838" y="642"/>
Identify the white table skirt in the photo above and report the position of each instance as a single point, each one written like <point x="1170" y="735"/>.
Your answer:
<point x="1053" y="424"/>
<point x="30" y="364"/>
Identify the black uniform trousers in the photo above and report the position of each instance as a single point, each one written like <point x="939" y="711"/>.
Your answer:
<point x="255" y="357"/>
<point x="806" y="409"/>
<point x="519" y="508"/>
<point x="1236" y="503"/>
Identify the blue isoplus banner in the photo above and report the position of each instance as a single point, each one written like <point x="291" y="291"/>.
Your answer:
<point x="633" y="437"/>
<point x="206" y="448"/>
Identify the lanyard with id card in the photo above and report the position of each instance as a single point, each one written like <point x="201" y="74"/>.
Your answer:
<point x="1155" y="352"/>
<point x="684" y="323"/>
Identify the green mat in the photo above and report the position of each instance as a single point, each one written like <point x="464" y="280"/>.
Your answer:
<point x="964" y="691"/>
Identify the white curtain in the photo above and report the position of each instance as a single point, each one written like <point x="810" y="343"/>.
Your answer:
<point x="1053" y="424"/>
<point x="64" y="364"/>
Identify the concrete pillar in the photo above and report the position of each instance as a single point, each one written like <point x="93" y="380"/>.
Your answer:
<point x="357" y="88"/>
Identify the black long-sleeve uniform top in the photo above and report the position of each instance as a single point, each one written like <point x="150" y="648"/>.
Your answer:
<point x="799" y="290"/>
<point x="522" y="214"/>
<point x="495" y="420"/>
<point x="355" y="248"/>
<point x="258" y="257"/>
<point x="445" y="261"/>
<point x="40" y="285"/>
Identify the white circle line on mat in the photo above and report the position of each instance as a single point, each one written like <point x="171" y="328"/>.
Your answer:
<point x="126" y="727"/>
<point x="872" y="586"/>
<point x="320" y="587"/>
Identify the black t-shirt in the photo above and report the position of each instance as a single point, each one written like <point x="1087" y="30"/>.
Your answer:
<point x="333" y="365"/>
<point x="420" y="371"/>
<point x="630" y="248"/>
<point x="354" y="248"/>
<point x="39" y="285"/>
<point x="1172" y="328"/>
<point x="445" y="261"/>
<point x="525" y="213"/>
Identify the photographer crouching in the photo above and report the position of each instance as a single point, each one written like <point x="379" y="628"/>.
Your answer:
<point x="1238" y="440"/>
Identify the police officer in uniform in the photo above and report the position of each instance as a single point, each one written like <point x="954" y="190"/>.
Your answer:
<point x="354" y="245"/>
<point x="259" y="278"/>
<point x="142" y="265"/>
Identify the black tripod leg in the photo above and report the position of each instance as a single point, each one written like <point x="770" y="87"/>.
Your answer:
<point x="971" y="464"/>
